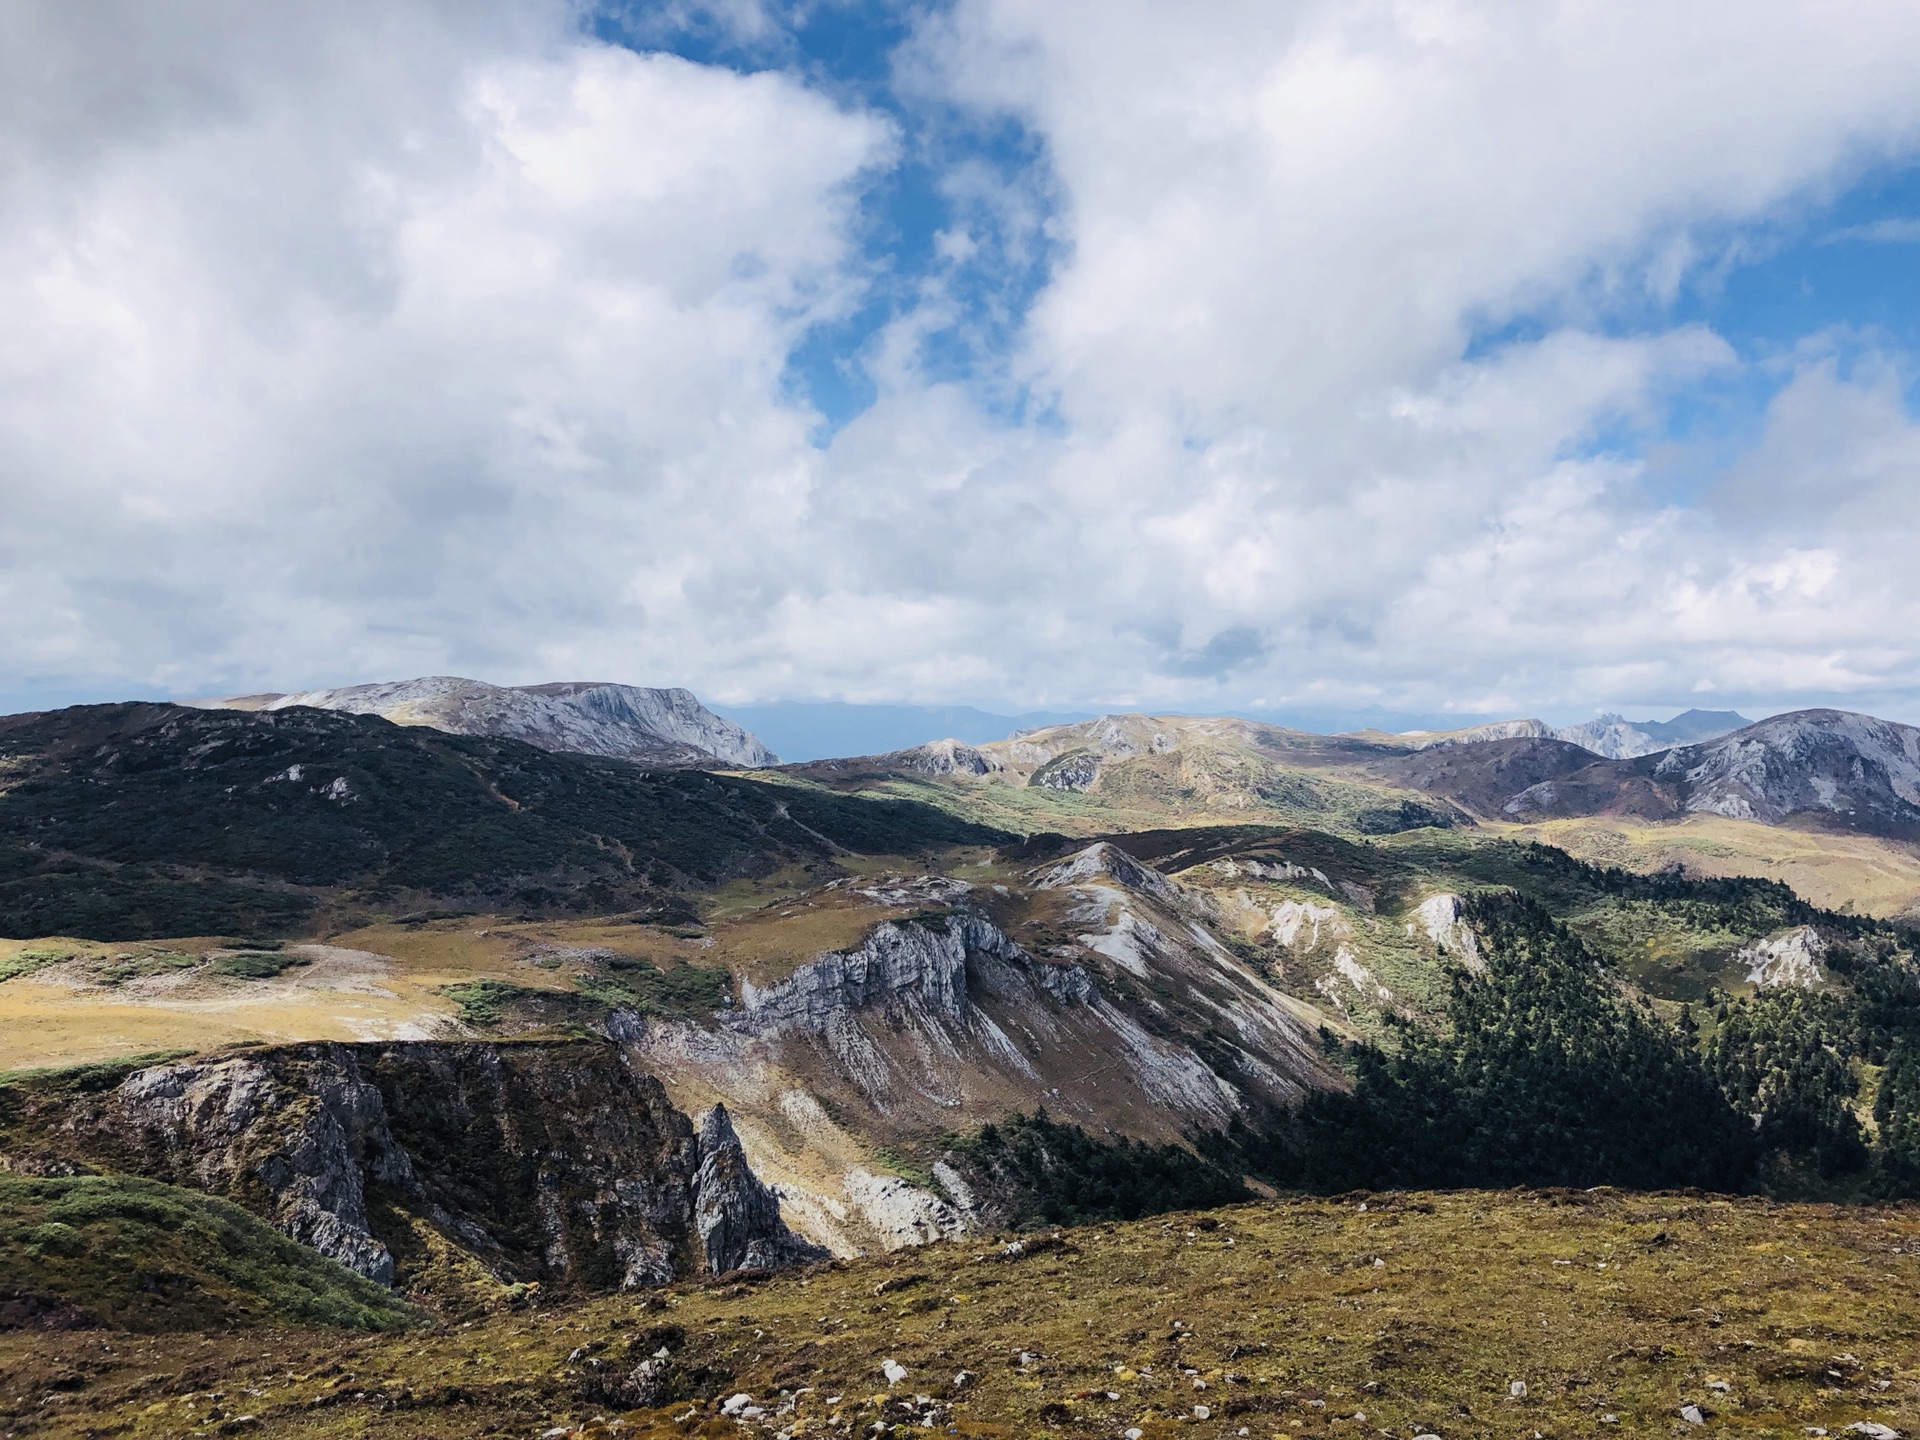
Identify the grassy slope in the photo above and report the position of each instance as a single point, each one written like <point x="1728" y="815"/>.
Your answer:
<point x="1859" y="873"/>
<point x="1213" y="782"/>
<point x="127" y="821"/>
<point x="1601" y="1304"/>
<point x="144" y="1256"/>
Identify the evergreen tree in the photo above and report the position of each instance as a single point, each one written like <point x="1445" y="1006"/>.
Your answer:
<point x="1780" y="1058"/>
<point x="1543" y="1075"/>
<point x="1896" y="1110"/>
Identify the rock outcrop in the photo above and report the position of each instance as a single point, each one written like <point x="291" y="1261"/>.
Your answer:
<point x="1147" y="1027"/>
<point x="557" y="1162"/>
<point x="1792" y="959"/>
<point x="737" y="1217"/>
<point x="1852" y="769"/>
<point x="1440" y="917"/>
<point x="625" y="722"/>
<point x="1612" y="736"/>
<point x="298" y="1139"/>
<point x="909" y="962"/>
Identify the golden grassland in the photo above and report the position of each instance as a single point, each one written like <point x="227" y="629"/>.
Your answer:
<point x="1351" y="1316"/>
<point x="1858" y="873"/>
<point x="390" y="981"/>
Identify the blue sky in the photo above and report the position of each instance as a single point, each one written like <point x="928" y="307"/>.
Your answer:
<point x="848" y="50"/>
<point x="1841" y="259"/>
<point x="1315" y="359"/>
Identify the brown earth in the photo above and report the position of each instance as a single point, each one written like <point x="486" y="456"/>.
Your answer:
<point x="1419" y="1313"/>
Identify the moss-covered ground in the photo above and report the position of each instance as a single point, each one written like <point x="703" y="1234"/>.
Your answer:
<point x="1350" y="1316"/>
<point x="89" y="1250"/>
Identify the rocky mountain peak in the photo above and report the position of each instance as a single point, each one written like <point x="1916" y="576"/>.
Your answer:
<point x="623" y="722"/>
<point x="1610" y="735"/>
<point x="1855" y="768"/>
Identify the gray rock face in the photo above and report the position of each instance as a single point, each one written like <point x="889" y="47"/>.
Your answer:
<point x="946" y="757"/>
<point x="934" y="1017"/>
<point x="553" y="1162"/>
<point x="1482" y="734"/>
<point x="1102" y="861"/>
<point x="1075" y="772"/>
<point x="304" y="1148"/>
<point x="1830" y="768"/>
<point x="1612" y="736"/>
<point x="737" y="1217"/>
<point x="625" y="722"/>
<point x="1852" y="767"/>
<point x="899" y="963"/>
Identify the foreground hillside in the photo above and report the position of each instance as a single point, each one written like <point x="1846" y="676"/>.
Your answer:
<point x="1563" y="1314"/>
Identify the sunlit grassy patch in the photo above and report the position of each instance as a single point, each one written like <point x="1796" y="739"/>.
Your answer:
<point x="1418" y="1311"/>
<point x="141" y="1255"/>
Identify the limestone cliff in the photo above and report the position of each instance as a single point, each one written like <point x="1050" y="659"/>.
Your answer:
<point x="1145" y="1026"/>
<point x="626" y="722"/>
<point x="739" y="1218"/>
<point x="559" y="1162"/>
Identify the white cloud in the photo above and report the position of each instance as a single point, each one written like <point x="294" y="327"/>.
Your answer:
<point x="496" y="368"/>
<point x="359" y="341"/>
<point x="1894" y="230"/>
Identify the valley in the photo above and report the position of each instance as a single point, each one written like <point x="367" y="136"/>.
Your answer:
<point x="516" y="1033"/>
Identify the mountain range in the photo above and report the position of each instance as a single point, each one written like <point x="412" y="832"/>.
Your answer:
<point x="491" y="1028"/>
<point x="803" y="730"/>
<point x="1826" y="769"/>
<point x="624" y="722"/>
<point x="1613" y="736"/>
<point x="672" y="726"/>
<point x="1819" y="769"/>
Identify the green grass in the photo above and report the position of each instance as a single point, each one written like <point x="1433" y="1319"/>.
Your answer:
<point x="138" y="966"/>
<point x="683" y="992"/>
<point x="256" y="964"/>
<point x="141" y="1255"/>
<point x="85" y="1079"/>
<point x="25" y="962"/>
<point x="485" y="1002"/>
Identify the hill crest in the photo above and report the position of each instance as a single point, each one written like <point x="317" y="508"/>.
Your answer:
<point x="621" y="722"/>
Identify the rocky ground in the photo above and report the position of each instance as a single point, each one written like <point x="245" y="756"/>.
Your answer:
<point x="1549" y="1314"/>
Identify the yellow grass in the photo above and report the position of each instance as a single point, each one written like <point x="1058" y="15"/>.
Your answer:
<point x="1873" y="876"/>
<point x="1298" y="1318"/>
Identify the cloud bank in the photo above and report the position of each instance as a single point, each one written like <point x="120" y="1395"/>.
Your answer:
<point x="359" y="341"/>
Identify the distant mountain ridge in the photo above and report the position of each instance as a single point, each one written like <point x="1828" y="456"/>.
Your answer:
<point x="808" y="730"/>
<point x="1813" y="769"/>
<point x="621" y="722"/>
<point x="1614" y="736"/>
<point x="1831" y="769"/>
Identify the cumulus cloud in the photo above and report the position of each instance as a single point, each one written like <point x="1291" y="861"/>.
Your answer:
<point x="357" y="341"/>
<point x="414" y="341"/>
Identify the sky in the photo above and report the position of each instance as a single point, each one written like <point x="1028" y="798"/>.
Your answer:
<point x="1404" y="357"/>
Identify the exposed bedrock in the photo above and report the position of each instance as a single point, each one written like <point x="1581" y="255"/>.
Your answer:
<point x="739" y="1218"/>
<point x="559" y="1162"/>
